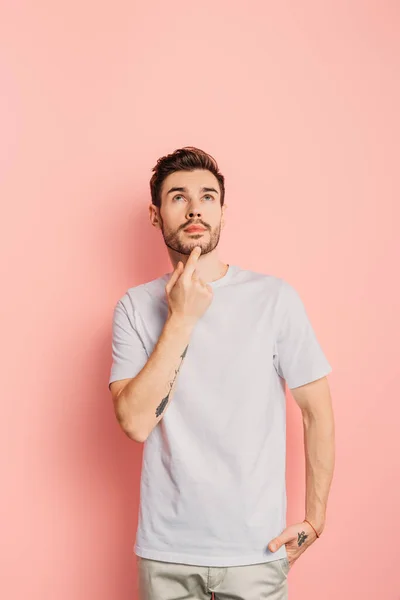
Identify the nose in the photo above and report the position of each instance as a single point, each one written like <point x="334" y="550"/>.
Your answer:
<point x="192" y="213"/>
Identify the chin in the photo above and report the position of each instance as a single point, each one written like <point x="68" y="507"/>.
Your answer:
<point x="189" y="250"/>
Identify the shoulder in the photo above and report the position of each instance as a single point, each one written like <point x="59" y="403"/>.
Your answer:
<point x="268" y="280"/>
<point x="143" y="292"/>
<point x="287" y="290"/>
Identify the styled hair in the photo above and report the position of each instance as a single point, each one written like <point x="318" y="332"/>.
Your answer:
<point x="183" y="159"/>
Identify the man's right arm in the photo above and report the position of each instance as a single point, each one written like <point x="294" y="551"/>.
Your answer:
<point x="140" y="402"/>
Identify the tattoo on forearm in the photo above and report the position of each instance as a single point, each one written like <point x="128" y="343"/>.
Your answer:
<point x="301" y="538"/>
<point x="164" y="401"/>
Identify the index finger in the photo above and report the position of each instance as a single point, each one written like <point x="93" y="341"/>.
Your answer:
<point x="191" y="262"/>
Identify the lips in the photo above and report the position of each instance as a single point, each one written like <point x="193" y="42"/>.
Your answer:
<point x="194" y="228"/>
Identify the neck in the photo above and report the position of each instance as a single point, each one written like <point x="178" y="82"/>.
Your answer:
<point x="209" y="267"/>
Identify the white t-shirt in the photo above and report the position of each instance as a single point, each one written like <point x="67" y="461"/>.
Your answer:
<point x="213" y="488"/>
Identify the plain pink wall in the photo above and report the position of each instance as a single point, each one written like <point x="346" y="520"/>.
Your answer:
<point x="299" y="102"/>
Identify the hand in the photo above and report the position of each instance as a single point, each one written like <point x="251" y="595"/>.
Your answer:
<point x="297" y="538"/>
<point x="188" y="296"/>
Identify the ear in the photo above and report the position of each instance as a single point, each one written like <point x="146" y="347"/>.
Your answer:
<point x="224" y="207"/>
<point x="154" y="215"/>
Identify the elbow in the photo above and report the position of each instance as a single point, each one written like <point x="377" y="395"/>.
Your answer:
<point x="136" y="430"/>
<point x="133" y="425"/>
<point x="132" y="432"/>
<point x="136" y="436"/>
<point x="130" y="429"/>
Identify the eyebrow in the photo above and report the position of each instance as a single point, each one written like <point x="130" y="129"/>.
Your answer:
<point x="184" y="189"/>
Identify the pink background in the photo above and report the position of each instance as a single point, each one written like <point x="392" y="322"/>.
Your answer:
<point x="299" y="102"/>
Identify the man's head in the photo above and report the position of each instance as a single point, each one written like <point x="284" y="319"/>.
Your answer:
<point x="188" y="189"/>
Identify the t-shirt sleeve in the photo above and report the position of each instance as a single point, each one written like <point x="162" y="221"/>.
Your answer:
<point x="128" y="352"/>
<point x="298" y="356"/>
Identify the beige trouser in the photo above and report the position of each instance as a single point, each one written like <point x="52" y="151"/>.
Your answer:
<point x="159" y="580"/>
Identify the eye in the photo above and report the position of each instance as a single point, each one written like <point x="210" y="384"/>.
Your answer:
<point x="178" y="196"/>
<point x="208" y="196"/>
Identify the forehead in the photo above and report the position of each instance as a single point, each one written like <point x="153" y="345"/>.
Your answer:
<point x="193" y="180"/>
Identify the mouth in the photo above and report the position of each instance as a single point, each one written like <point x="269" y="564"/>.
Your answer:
<point x="194" y="229"/>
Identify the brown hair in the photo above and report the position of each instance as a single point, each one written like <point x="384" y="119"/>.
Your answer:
<point x="183" y="159"/>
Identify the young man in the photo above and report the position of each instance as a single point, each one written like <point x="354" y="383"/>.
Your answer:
<point x="200" y="360"/>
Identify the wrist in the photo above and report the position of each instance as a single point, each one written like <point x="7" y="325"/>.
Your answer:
<point x="317" y="524"/>
<point x="180" y="323"/>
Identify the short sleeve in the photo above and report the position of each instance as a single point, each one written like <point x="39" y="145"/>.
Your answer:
<point x="298" y="356"/>
<point x="128" y="352"/>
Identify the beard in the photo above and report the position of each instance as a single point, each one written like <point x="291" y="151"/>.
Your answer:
<point x="183" y="243"/>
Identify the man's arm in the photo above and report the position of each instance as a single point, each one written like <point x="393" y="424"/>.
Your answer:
<point x="314" y="400"/>
<point x="140" y="402"/>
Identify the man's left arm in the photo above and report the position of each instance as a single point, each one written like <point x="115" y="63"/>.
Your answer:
<point x="299" y="359"/>
<point x="314" y="400"/>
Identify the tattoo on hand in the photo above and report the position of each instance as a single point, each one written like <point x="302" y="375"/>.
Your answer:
<point x="164" y="402"/>
<point x="301" y="538"/>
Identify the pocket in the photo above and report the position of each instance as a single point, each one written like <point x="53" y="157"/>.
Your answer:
<point x="285" y="565"/>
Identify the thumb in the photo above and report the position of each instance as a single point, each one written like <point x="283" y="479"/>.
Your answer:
<point x="277" y="542"/>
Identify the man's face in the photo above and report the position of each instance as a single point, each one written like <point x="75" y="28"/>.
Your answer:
<point x="191" y="198"/>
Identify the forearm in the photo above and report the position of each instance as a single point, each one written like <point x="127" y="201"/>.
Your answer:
<point x="144" y="400"/>
<point x="319" y="445"/>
